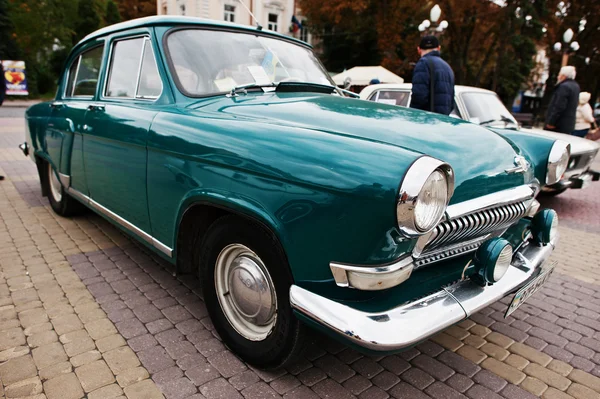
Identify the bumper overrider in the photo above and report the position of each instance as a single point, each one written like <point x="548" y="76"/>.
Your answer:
<point x="410" y="323"/>
<point x="579" y="181"/>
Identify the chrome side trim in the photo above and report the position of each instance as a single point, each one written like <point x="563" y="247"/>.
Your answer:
<point x="521" y="193"/>
<point x="65" y="180"/>
<point x="122" y="222"/>
<point x="408" y="324"/>
<point x="372" y="278"/>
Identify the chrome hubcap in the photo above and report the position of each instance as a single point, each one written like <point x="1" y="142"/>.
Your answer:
<point x="245" y="292"/>
<point x="55" y="187"/>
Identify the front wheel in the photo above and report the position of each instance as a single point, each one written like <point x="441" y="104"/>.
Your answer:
<point x="60" y="201"/>
<point x="246" y="281"/>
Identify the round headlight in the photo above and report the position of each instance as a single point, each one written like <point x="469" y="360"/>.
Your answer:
<point x="492" y="260"/>
<point x="544" y="226"/>
<point x="431" y="202"/>
<point x="424" y="195"/>
<point x="557" y="161"/>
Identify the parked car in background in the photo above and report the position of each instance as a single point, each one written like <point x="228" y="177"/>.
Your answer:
<point x="229" y="152"/>
<point x="485" y="108"/>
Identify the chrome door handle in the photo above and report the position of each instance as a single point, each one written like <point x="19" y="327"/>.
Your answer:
<point x="57" y="104"/>
<point x="96" y="107"/>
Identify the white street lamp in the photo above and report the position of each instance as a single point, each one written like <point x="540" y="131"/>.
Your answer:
<point x="444" y="24"/>
<point x="435" y="13"/>
<point x="557" y="46"/>
<point x="568" y="35"/>
<point x="426" y="23"/>
<point x="421" y="28"/>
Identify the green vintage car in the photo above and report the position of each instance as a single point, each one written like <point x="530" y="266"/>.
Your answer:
<point x="228" y="151"/>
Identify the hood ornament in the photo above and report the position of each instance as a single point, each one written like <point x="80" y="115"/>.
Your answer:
<point x="521" y="165"/>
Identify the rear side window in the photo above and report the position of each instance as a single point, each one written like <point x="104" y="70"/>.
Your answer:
<point x="133" y="72"/>
<point x="83" y="74"/>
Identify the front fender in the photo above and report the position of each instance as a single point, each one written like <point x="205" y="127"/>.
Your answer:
<point x="535" y="147"/>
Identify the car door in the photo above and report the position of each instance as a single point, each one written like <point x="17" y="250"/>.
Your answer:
<point x="116" y="132"/>
<point x="64" y="139"/>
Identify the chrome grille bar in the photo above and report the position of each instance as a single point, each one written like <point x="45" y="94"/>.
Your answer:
<point x="476" y="224"/>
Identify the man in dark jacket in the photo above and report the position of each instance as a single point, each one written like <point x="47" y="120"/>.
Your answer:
<point x="563" y="105"/>
<point x="440" y="97"/>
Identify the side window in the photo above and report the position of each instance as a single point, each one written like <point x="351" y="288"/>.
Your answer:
<point x="124" y="66"/>
<point x="392" y="97"/>
<point x="150" y="85"/>
<point x="83" y="74"/>
<point x="133" y="72"/>
<point x="71" y="77"/>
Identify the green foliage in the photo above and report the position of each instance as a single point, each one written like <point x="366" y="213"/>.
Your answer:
<point x="8" y="45"/>
<point x="130" y="9"/>
<point x="112" y="15"/>
<point x="88" y="19"/>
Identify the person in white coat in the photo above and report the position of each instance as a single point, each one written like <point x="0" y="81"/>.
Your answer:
<point x="584" y="117"/>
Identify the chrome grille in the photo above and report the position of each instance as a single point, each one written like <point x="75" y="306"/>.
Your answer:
<point x="447" y="237"/>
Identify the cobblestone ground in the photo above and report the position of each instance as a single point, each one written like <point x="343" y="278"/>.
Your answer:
<point x="84" y="312"/>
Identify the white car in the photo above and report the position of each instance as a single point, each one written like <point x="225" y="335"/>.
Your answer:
<point x="485" y="108"/>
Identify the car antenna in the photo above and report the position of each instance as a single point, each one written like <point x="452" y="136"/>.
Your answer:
<point x="258" y="25"/>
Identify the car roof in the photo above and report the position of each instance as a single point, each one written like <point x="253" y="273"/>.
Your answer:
<point x="367" y="91"/>
<point x="171" y="20"/>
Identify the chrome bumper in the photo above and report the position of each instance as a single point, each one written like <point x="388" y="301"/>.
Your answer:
<point x="411" y="323"/>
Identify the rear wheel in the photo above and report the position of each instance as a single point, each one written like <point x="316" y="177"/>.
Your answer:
<point x="246" y="281"/>
<point x="60" y="201"/>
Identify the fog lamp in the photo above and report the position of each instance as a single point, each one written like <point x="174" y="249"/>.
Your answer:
<point x="492" y="260"/>
<point x="544" y="226"/>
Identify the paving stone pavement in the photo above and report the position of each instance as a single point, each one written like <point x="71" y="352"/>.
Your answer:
<point x="85" y="312"/>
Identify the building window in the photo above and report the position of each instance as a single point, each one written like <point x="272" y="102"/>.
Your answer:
<point x="229" y="13"/>
<point x="272" y="25"/>
<point x="304" y="32"/>
<point x="182" y="9"/>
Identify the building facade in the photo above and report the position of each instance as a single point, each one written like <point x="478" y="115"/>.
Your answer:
<point x="275" y="15"/>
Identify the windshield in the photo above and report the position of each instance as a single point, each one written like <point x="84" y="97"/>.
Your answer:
<point x="486" y="108"/>
<point x="209" y="62"/>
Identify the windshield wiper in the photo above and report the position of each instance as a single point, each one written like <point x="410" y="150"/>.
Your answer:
<point x="502" y="118"/>
<point x="244" y="88"/>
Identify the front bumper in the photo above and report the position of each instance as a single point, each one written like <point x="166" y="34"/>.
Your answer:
<point x="579" y="181"/>
<point x="406" y="325"/>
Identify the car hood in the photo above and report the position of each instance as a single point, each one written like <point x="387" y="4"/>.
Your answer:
<point x="479" y="156"/>
<point x="578" y="145"/>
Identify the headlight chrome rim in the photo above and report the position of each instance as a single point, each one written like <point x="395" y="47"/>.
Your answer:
<point x="412" y="186"/>
<point x="557" y="162"/>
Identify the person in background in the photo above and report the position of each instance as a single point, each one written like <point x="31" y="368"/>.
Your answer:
<point x="440" y="97"/>
<point x="2" y="85"/>
<point x="563" y="105"/>
<point x="375" y="81"/>
<point x="584" y="117"/>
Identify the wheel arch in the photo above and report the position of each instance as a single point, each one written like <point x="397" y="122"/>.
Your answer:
<point x="197" y="213"/>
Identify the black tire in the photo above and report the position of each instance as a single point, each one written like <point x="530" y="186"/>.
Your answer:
<point x="61" y="202"/>
<point x="552" y="192"/>
<point x="286" y="338"/>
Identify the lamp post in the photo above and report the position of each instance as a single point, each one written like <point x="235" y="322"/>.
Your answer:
<point x="570" y="46"/>
<point x="430" y="26"/>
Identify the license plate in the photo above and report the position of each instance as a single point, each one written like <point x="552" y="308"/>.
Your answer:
<point x="527" y="291"/>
